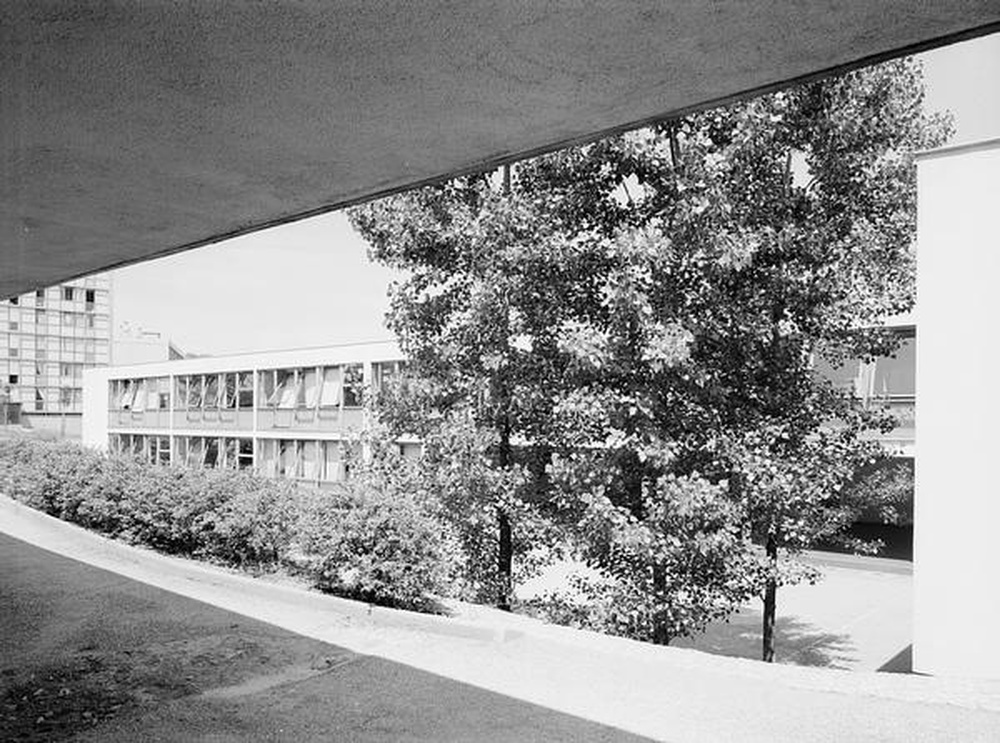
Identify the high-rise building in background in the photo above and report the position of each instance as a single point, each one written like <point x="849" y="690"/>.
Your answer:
<point x="47" y="338"/>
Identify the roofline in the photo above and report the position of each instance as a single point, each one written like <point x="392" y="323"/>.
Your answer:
<point x="958" y="149"/>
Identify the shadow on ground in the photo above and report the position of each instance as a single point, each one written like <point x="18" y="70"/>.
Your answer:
<point x="93" y="656"/>
<point x="795" y="641"/>
<point x="901" y="662"/>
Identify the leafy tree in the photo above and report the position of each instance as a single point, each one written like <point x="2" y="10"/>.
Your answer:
<point x="475" y="315"/>
<point x="766" y="232"/>
<point x="658" y="298"/>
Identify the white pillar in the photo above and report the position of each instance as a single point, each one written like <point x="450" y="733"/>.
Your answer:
<point x="956" y="551"/>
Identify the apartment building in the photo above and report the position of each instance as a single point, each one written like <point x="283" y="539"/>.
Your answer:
<point x="47" y="339"/>
<point x="284" y="413"/>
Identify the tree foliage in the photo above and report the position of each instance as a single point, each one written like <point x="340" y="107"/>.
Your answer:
<point x="658" y="299"/>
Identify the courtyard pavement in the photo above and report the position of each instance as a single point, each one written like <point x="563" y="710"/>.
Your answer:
<point x="110" y="642"/>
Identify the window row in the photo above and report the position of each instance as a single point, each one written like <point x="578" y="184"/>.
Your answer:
<point x="65" y="293"/>
<point x="296" y="459"/>
<point x="299" y="459"/>
<point x="191" y="451"/>
<point x="308" y="388"/>
<point x="139" y="394"/>
<point x="42" y="399"/>
<point x="40" y="369"/>
<point x="313" y="387"/>
<point x="225" y="391"/>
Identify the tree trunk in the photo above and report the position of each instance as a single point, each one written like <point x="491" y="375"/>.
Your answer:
<point x="505" y="560"/>
<point x="770" y="599"/>
<point x="661" y="626"/>
<point x="505" y="553"/>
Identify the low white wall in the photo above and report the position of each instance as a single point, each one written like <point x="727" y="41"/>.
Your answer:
<point x="957" y="498"/>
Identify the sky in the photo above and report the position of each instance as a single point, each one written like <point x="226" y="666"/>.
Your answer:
<point x="311" y="284"/>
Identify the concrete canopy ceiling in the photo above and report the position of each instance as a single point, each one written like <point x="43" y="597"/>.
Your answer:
<point x="133" y="130"/>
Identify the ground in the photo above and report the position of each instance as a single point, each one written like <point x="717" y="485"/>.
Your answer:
<point x="93" y="648"/>
<point x="90" y="655"/>
<point x="858" y="617"/>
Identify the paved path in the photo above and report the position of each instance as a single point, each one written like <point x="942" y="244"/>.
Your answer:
<point x="858" y="617"/>
<point x="278" y="663"/>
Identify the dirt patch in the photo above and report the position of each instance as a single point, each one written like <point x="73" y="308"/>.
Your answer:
<point x="57" y="700"/>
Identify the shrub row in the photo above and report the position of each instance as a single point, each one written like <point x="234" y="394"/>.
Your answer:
<point x="384" y="548"/>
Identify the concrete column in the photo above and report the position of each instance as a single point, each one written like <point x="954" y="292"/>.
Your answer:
<point x="956" y="549"/>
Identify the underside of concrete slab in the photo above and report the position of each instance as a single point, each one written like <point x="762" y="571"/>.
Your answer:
<point x="129" y="131"/>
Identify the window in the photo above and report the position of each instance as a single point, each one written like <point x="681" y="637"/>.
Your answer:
<point x="127" y="394"/>
<point x="154" y="389"/>
<point x="331" y="461"/>
<point x="896" y="376"/>
<point x="41" y="354"/>
<point x="12" y="325"/>
<point x="12" y="378"/>
<point x="353" y="385"/>
<point x="246" y="390"/>
<point x="266" y="387"/>
<point x="194" y="393"/>
<point x="309" y="460"/>
<point x="229" y="391"/>
<point x="329" y="396"/>
<point x="267" y="461"/>
<point x="180" y="393"/>
<point x="39" y="401"/>
<point x="90" y="321"/>
<point x="211" y="455"/>
<point x="12" y="352"/>
<point x="229" y="458"/>
<point x="196" y="451"/>
<point x="386" y="374"/>
<point x="68" y="293"/>
<point x="244" y="457"/>
<point x="15" y="300"/>
<point x="211" y="401"/>
<point x="308" y="394"/>
<point x="39" y="298"/>
<point x="159" y="449"/>
<point x="65" y="396"/>
<point x="89" y="296"/>
<point x="284" y="393"/>
<point x="39" y="317"/>
<point x="286" y="459"/>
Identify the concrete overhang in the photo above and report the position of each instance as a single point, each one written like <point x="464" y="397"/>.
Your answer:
<point x="133" y="130"/>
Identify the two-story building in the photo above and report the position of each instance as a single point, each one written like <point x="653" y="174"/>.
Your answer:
<point x="283" y="413"/>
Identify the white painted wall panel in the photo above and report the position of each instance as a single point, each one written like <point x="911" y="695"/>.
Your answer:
<point x="957" y="499"/>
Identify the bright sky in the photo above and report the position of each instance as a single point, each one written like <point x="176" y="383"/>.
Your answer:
<point x="311" y="283"/>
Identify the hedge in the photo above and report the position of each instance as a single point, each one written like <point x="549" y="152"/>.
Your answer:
<point x="384" y="548"/>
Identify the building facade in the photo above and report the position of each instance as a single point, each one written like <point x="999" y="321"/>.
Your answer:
<point x="887" y="383"/>
<point x="47" y="339"/>
<point x="283" y="413"/>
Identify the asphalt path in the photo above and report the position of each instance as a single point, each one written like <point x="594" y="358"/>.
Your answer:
<point x="87" y="654"/>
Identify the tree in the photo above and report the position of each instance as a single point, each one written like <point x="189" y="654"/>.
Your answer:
<point x="768" y="232"/>
<point x="658" y="299"/>
<point x="474" y="315"/>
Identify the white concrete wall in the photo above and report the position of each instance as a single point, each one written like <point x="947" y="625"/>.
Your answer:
<point x="957" y="498"/>
<point x="94" y="429"/>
